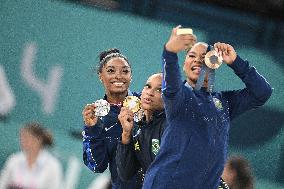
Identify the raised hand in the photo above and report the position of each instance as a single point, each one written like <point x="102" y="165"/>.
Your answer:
<point x="126" y="120"/>
<point x="227" y="52"/>
<point x="89" y="115"/>
<point x="177" y="43"/>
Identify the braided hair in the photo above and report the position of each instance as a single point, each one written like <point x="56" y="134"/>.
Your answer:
<point x="107" y="55"/>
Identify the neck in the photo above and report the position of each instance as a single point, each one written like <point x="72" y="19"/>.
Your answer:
<point x="32" y="157"/>
<point x="190" y="82"/>
<point x="148" y="115"/>
<point x="116" y="98"/>
<point x="193" y="83"/>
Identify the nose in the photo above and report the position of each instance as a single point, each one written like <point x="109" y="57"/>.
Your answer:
<point x="199" y="59"/>
<point x="118" y="75"/>
<point x="150" y="92"/>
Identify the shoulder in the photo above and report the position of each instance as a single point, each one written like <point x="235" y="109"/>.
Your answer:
<point x="15" y="159"/>
<point x="18" y="156"/>
<point x="226" y="95"/>
<point x="50" y="159"/>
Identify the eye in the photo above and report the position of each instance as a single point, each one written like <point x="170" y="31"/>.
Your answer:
<point x="191" y="56"/>
<point x="159" y="90"/>
<point x="147" y="86"/>
<point x="110" y="70"/>
<point x="126" y="71"/>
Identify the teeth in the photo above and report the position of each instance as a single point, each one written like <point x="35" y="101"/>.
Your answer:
<point x="118" y="83"/>
<point x="196" y="68"/>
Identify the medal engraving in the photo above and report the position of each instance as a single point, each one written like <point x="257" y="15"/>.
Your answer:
<point x="212" y="60"/>
<point x="102" y="108"/>
<point x="133" y="103"/>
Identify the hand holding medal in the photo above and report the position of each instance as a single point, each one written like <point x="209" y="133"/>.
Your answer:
<point x="227" y="52"/>
<point x="95" y="110"/>
<point x="134" y="104"/>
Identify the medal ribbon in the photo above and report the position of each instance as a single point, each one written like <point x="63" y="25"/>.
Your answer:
<point x="211" y="74"/>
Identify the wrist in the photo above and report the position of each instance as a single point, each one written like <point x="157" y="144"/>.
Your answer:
<point x="169" y="48"/>
<point x="234" y="58"/>
<point x="89" y="122"/>
<point x="125" y="137"/>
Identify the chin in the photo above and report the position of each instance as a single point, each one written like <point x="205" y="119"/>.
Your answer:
<point x="194" y="79"/>
<point x="146" y="107"/>
<point x="119" y="90"/>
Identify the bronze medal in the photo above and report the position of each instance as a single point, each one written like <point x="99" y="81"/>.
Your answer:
<point x="212" y="60"/>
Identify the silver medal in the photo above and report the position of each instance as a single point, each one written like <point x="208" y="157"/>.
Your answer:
<point x="102" y="108"/>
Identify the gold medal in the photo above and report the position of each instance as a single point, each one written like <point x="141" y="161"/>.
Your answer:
<point x="133" y="103"/>
<point x="212" y="60"/>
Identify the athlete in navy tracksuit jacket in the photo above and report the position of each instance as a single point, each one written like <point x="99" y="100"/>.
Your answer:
<point x="194" y="145"/>
<point x="140" y="143"/>
<point x="100" y="135"/>
<point x="99" y="147"/>
<point x="143" y="148"/>
<point x="137" y="156"/>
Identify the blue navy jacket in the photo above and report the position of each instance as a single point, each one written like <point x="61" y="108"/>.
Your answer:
<point x="194" y="145"/>
<point x="135" y="157"/>
<point x="99" y="147"/>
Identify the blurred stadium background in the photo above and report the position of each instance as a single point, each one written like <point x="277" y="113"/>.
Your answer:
<point x="49" y="49"/>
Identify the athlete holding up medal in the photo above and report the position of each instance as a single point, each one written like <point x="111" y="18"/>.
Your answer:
<point x="193" y="148"/>
<point x="140" y="143"/>
<point x="102" y="128"/>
